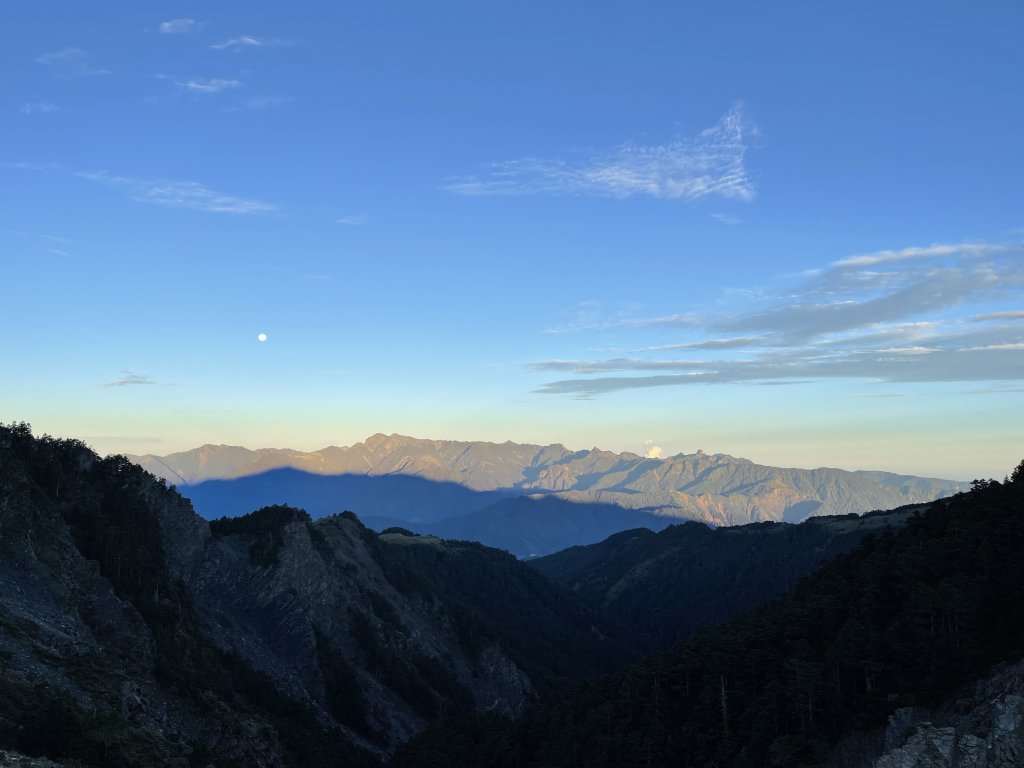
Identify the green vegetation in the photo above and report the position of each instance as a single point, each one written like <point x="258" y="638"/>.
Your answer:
<point x="262" y="529"/>
<point x="666" y="585"/>
<point x="905" y="619"/>
<point x="109" y="505"/>
<point x="424" y="683"/>
<point x="494" y="598"/>
<point x="37" y="720"/>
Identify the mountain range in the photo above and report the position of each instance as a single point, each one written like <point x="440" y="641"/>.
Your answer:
<point x="528" y="499"/>
<point x="902" y="653"/>
<point x="134" y="632"/>
<point x="666" y="585"/>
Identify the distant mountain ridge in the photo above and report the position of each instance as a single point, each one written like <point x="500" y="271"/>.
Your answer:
<point x="667" y="584"/>
<point x="716" y="489"/>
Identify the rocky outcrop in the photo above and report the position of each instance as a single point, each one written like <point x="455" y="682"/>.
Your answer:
<point x="981" y="728"/>
<point x="10" y="759"/>
<point x="324" y="591"/>
<point x="984" y="729"/>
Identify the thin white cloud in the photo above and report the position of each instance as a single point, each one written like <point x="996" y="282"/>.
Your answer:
<point x="926" y="252"/>
<point x="38" y="107"/>
<point x="354" y="220"/>
<point x="178" y="26"/>
<point x="592" y="315"/>
<point x="908" y="350"/>
<point x="620" y="364"/>
<point x="1009" y="347"/>
<point x="712" y="164"/>
<point x="214" y="85"/>
<point x="852" y="294"/>
<point x="1010" y="314"/>
<point x="180" y="194"/>
<point x="726" y="218"/>
<point x="853" y="319"/>
<point x="1000" y="362"/>
<point x="740" y="342"/>
<point x="248" y="41"/>
<point x="129" y="379"/>
<point x="69" y="63"/>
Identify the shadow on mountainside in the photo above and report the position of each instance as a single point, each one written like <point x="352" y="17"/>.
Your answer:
<point x="401" y="497"/>
<point x="504" y="518"/>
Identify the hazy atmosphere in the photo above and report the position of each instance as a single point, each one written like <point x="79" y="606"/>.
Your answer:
<point x="790" y="232"/>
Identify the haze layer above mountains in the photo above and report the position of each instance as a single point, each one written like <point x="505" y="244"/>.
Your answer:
<point x="529" y="499"/>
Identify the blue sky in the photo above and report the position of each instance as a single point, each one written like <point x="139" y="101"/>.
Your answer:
<point x="790" y="232"/>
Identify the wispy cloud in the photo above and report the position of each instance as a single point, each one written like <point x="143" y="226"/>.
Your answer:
<point x="852" y="293"/>
<point x="726" y="218"/>
<point x="354" y="220"/>
<point x="37" y="167"/>
<point x="593" y="315"/>
<point x="179" y="26"/>
<point x="180" y="194"/>
<point x="857" y="318"/>
<point x="248" y="41"/>
<point x="926" y="252"/>
<point x="739" y="342"/>
<point x="129" y="379"/>
<point x="620" y="364"/>
<point x="1010" y="314"/>
<point x="69" y="63"/>
<point x="37" y="107"/>
<point x="712" y="164"/>
<point x="214" y="85"/>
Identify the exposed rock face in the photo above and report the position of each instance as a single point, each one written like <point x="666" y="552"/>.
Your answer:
<point x="324" y="587"/>
<point x="15" y="760"/>
<point x="984" y="728"/>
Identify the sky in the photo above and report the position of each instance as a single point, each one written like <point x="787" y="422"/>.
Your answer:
<point x="788" y="232"/>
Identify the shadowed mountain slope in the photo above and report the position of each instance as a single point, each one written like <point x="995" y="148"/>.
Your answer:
<point x="719" y="489"/>
<point x="133" y="632"/>
<point x="904" y="620"/>
<point x="668" y="584"/>
<point x="407" y="498"/>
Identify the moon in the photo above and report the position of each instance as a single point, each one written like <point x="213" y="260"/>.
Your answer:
<point x="261" y="337"/>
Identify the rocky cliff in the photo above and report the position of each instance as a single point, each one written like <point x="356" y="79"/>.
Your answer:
<point x="982" y="727"/>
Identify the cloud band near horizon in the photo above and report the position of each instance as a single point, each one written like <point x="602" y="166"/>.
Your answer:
<point x="866" y="317"/>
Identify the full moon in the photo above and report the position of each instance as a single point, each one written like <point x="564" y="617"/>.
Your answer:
<point x="262" y="337"/>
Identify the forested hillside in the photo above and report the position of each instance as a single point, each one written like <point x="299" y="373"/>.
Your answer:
<point x="905" y="619"/>
<point x="132" y="632"/>
<point x="665" y="585"/>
